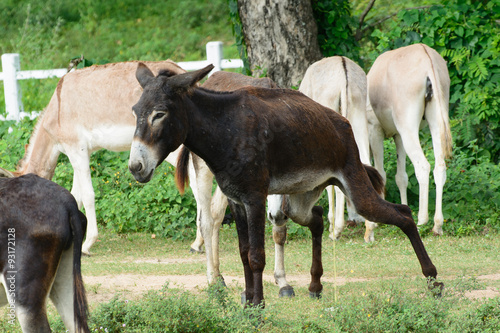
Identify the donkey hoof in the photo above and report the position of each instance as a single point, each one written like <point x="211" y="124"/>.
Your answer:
<point x="286" y="291"/>
<point x="220" y="281"/>
<point x="315" y="294"/>
<point x="244" y="298"/>
<point x="191" y="250"/>
<point x="436" y="288"/>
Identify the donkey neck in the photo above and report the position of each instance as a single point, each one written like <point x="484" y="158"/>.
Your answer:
<point x="41" y="154"/>
<point x="211" y="125"/>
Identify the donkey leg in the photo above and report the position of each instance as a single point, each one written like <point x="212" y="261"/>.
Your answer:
<point x="279" y="237"/>
<point x="250" y="223"/>
<point x="80" y="161"/>
<point x="401" y="175"/>
<point x="196" y="246"/>
<point x="331" y="214"/>
<point x="369" y="204"/>
<point x="279" y="220"/>
<point x="376" y="135"/>
<point x="337" y="222"/>
<point x="32" y="294"/>
<point x="202" y="185"/>
<point x="218" y="209"/>
<point x="439" y="166"/>
<point x="316" y="226"/>
<point x="62" y="294"/>
<point x="339" y="212"/>
<point x="300" y="209"/>
<point x="240" y="218"/>
<point x="255" y="208"/>
<point x="422" y="170"/>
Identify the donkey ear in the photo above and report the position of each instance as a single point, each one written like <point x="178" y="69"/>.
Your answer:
<point x="187" y="80"/>
<point x="143" y="74"/>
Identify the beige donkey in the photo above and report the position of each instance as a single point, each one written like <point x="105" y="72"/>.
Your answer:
<point x="340" y="84"/>
<point x="409" y="88"/>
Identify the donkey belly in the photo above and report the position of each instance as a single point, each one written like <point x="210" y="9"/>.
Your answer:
<point x="114" y="138"/>
<point x="299" y="182"/>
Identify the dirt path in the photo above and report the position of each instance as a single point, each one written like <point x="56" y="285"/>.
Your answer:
<point x="103" y="288"/>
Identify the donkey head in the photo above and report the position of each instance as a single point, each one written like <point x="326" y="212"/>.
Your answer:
<point x="161" y="118"/>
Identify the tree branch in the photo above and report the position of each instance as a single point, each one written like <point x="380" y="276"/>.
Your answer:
<point x="361" y="31"/>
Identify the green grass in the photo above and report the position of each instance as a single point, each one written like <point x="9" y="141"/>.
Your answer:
<point x="377" y="287"/>
<point x="391" y="255"/>
<point x="49" y="34"/>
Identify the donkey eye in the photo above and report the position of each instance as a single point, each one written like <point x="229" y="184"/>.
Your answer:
<point x="158" y="115"/>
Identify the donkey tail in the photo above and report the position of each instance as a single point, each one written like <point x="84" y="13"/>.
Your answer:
<point x="376" y="179"/>
<point x="181" y="171"/>
<point x="78" y="223"/>
<point x="5" y="173"/>
<point x="437" y="87"/>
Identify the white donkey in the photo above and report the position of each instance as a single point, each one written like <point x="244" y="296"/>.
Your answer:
<point x="91" y="109"/>
<point x="340" y="84"/>
<point x="409" y="88"/>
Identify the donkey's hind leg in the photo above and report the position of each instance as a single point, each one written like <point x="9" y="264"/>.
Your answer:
<point x="279" y="220"/>
<point x="300" y="208"/>
<point x="62" y="292"/>
<point x="371" y="206"/>
<point x="31" y="295"/>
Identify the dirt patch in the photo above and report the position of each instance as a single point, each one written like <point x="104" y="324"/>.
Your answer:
<point x="489" y="292"/>
<point x="133" y="286"/>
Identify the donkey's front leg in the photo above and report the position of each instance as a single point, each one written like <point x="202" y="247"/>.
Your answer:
<point x="299" y="207"/>
<point x="240" y="219"/>
<point x="250" y="222"/>
<point x="256" y="213"/>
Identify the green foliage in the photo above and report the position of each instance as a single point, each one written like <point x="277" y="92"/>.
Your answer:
<point x="472" y="197"/>
<point x="12" y="136"/>
<point x="385" y="307"/>
<point x="335" y="28"/>
<point x="234" y="16"/>
<point x="467" y="35"/>
<point x="172" y="310"/>
<point x="47" y="34"/>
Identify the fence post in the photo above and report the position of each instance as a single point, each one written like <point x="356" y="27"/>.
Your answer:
<point x="10" y="67"/>
<point x="214" y="55"/>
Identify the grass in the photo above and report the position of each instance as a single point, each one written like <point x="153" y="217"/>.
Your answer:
<point x="371" y="281"/>
<point x="390" y="256"/>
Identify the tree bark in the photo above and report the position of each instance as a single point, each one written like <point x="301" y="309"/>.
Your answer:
<point x="281" y="38"/>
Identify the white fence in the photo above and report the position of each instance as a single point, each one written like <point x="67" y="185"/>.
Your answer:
<point x="12" y="73"/>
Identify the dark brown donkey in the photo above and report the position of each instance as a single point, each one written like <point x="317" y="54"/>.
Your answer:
<point x="257" y="142"/>
<point x="41" y="235"/>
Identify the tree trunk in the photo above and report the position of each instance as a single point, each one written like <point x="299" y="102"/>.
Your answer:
<point x="280" y="37"/>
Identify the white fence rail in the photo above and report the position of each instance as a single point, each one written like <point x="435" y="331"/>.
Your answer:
<point x="12" y="73"/>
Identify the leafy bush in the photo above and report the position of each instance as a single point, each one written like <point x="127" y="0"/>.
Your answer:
<point x="171" y="310"/>
<point x="336" y="29"/>
<point x="467" y="35"/>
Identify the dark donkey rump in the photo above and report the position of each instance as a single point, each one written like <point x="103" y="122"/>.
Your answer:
<point x="41" y="234"/>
